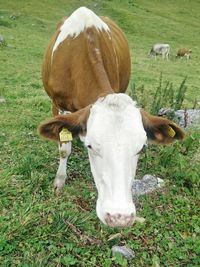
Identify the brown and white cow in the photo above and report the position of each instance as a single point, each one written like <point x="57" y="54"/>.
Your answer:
<point x="184" y="52"/>
<point x="86" y="71"/>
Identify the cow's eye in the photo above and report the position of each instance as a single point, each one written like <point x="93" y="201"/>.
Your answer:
<point x="89" y="146"/>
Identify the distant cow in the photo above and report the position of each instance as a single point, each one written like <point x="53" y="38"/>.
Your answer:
<point x="86" y="71"/>
<point x="184" y="52"/>
<point x="160" y="49"/>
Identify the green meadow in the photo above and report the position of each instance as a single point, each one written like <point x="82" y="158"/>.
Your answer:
<point x="38" y="228"/>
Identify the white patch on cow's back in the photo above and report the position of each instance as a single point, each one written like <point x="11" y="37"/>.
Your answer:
<point x="79" y="20"/>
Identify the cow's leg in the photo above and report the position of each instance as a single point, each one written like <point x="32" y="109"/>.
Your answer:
<point x="61" y="175"/>
<point x="64" y="152"/>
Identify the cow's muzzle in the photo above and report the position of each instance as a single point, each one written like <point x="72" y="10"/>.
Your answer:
<point x="119" y="220"/>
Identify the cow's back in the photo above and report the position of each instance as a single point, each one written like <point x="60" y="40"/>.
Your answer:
<point x="81" y="68"/>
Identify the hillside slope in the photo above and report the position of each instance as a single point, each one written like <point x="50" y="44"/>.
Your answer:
<point x="144" y="22"/>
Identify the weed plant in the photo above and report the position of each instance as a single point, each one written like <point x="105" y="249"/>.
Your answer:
<point x="165" y="96"/>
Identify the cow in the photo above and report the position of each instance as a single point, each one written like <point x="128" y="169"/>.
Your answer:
<point x="86" y="72"/>
<point x="184" y="52"/>
<point x="160" y="49"/>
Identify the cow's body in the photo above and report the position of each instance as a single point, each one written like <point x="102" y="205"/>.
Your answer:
<point x="85" y="71"/>
<point x="78" y="70"/>
<point x="184" y="52"/>
<point x="160" y="49"/>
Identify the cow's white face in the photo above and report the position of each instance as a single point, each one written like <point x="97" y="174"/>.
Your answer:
<point x="115" y="136"/>
<point x="116" y="130"/>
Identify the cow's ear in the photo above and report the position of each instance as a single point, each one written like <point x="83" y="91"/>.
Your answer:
<point x="75" y="123"/>
<point x="161" y="130"/>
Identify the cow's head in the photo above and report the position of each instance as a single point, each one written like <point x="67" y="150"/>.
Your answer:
<point x="114" y="131"/>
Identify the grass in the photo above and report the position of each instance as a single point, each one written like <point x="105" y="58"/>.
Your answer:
<point x="39" y="229"/>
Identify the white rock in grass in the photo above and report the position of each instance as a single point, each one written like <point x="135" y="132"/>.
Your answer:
<point x="13" y="17"/>
<point x="140" y="220"/>
<point x="147" y="184"/>
<point x="124" y="251"/>
<point x="2" y="40"/>
<point x="185" y="118"/>
<point x="188" y="118"/>
<point x="2" y="100"/>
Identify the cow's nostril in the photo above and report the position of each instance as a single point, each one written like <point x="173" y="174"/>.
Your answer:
<point x="119" y="220"/>
<point x="108" y="215"/>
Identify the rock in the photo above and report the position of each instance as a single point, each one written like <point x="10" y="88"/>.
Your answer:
<point x="147" y="184"/>
<point x="15" y="179"/>
<point x="140" y="220"/>
<point x="124" y="251"/>
<point x="165" y="111"/>
<point x="185" y="118"/>
<point x="188" y="118"/>
<point x="13" y="17"/>
<point x="2" y="40"/>
<point x="2" y="100"/>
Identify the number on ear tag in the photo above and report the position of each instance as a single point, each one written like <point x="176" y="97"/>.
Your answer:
<point x="65" y="135"/>
<point x="171" y="132"/>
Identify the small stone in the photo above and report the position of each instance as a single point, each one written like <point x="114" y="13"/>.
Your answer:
<point x="161" y="182"/>
<point x="188" y="118"/>
<point x="124" y="251"/>
<point x="185" y="118"/>
<point x="147" y="184"/>
<point x="2" y="100"/>
<point x="2" y="40"/>
<point x="164" y="111"/>
<point x="140" y="220"/>
<point x="15" y="179"/>
<point x="13" y="17"/>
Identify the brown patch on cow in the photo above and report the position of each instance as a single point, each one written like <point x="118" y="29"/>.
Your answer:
<point x="83" y="68"/>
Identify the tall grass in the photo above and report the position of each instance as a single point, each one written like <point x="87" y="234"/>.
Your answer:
<point x="165" y="95"/>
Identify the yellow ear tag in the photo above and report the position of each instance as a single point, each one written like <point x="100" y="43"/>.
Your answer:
<point x="171" y="132"/>
<point x="65" y="135"/>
